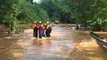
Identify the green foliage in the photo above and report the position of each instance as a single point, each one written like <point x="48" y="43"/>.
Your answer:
<point x="51" y="6"/>
<point x="13" y="12"/>
<point x="8" y="12"/>
<point x="30" y="12"/>
<point x="88" y="12"/>
<point x="19" y="30"/>
<point x="58" y="10"/>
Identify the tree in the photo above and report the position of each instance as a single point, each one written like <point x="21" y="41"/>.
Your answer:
<point x="58" y="10"/>
<point x="8" y="13"/>
<point x="30" y="12"/>
<point x="51" y="6"/>
<point x="90" y="12"/>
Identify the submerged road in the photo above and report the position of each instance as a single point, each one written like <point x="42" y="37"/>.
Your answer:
<point x="26" y="47"/>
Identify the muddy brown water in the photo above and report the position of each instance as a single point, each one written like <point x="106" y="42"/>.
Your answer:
<point x="25" y="47"/>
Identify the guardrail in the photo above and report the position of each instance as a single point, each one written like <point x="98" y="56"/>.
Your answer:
<point x="102" y="42"/>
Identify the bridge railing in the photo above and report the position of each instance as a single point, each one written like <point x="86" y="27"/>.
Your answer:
<point x="102" y="42"/>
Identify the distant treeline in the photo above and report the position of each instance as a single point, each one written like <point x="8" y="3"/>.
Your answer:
<point x="91" y="13"/>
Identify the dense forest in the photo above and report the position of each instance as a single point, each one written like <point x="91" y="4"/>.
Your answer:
<point x="91" y="13"/>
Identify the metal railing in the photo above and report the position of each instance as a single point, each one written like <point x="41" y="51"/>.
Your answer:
<point x="102" y="42"/>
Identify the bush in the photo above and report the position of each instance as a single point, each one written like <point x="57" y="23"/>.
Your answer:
<point x="19" y="30"/>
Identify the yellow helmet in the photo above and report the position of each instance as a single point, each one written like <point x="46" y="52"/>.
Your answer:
<point x="47" y="22"/>
<point x="34" y="21"/>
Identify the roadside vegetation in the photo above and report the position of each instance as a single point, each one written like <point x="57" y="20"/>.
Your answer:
<point x="91" y="13"/>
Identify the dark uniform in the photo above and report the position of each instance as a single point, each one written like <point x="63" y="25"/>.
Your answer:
<point x="34" y="30"/>
<point x="48" y="30"/>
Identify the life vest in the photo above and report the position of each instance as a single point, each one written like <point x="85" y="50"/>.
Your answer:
<point x="49" y="27"/>
<point x="41" y="27"/>
<point x="34" y="26"/>
<point x="45" y="27"/>
<point x="38" y="26"/>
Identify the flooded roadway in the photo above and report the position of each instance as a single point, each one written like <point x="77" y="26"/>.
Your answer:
<point x="25" y="47"/>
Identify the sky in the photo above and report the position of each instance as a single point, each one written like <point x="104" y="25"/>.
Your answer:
<point x="36" y="1"/>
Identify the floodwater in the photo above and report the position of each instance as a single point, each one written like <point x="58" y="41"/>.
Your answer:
<point x="25" y="47"/>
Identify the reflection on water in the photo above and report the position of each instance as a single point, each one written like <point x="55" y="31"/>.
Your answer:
<point x="42" y="43"/>
<point x="58" y="47"/>
<point x="48" y="49"/>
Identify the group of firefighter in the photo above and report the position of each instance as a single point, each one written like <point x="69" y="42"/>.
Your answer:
<point x="41" y="29"/>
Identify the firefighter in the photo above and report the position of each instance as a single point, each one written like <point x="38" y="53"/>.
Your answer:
<point x="45" y="27"/>
<point x="40" y="29"/>
<point x="34" y="29"/>
<point x="48" y="29"/>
